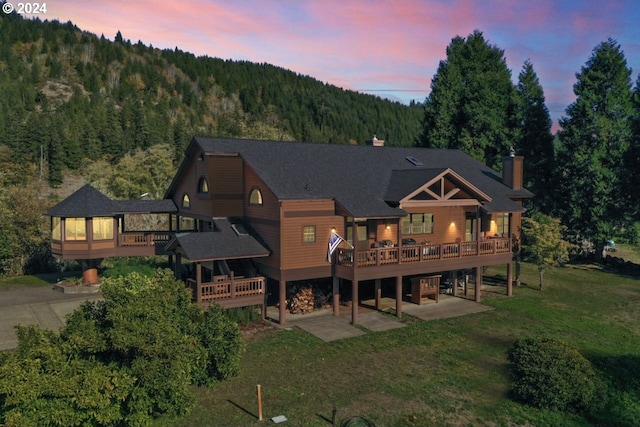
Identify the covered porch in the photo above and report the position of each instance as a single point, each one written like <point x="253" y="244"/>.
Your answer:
<point x="219" y="269"/>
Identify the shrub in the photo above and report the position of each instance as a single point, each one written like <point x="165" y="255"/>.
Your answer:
<point x="550" y="374"/>
<point x="222" y="340"/>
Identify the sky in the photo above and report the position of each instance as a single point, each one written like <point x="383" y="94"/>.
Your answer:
<point x="387" y="48"/>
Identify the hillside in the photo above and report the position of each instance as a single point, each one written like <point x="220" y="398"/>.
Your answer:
<point x="71" y="97"/>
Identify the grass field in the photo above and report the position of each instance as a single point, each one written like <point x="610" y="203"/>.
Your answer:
<point x="450" y="372"/>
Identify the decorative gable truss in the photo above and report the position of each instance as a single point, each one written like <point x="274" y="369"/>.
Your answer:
<point x="447" y="188"/>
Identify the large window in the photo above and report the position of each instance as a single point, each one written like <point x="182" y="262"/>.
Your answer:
<point x="255" y="197"/>
<point x="187" y="224"/>
<point x="56" y="228"/>
<point x="417" y="223"/>
<point x="309" y="234"/>
<point x="75" y="229"/>
<point x="502" y="224"/>
<point x="102" y="228"/>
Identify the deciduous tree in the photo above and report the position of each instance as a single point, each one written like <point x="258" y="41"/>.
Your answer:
<point x="542" y="242"/>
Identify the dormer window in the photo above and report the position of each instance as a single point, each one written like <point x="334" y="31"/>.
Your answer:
<point x="186" y="202"/>
<point x="255" y="197"/>
<point x="203" y="186"/>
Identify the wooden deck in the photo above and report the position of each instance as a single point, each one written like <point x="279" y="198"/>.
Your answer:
<point x="229" y="292"/>
<point x="421" y="253"/>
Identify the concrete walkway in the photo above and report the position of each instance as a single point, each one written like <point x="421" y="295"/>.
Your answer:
<point x="44" y="306"/>
<point x="324" y="325"/>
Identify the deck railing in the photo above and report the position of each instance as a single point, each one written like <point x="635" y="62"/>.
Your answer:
<point x="143" y="238"/>
<point x="421" y="253"/>
<point x="225" y="287"/>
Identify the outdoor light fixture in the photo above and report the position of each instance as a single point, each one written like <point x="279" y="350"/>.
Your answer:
<point x="388" y="227"/>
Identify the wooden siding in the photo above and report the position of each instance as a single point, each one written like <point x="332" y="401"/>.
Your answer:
<point x="265" y="218"/>
<point x="448" y="224"/>
<point x="297" y="214"/>
<point x="225" y="185"/>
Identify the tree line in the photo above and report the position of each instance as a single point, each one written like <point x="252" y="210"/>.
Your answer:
<point x="587" y="175"/>
<point x="78" y="97"/>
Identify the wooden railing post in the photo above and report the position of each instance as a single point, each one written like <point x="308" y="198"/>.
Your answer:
<point x="232" y="285"/>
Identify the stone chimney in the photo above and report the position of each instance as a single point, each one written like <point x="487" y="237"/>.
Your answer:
<point x="375" y="142"/>
<point x="512" y="170"/>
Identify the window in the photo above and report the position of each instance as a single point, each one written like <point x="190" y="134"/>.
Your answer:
<point x="186" y="202"/>
<point x="187" y="224"/>
<point x="502" y="224"/>
<point x="203" y="186"/>
<point x="417" y="223"/>
<point x="102" y="228"/>
<point x="309" y="234"/>
<point x="255" y="197"/>
<point x="75" y="229"/>
<point x="56" y="228"/>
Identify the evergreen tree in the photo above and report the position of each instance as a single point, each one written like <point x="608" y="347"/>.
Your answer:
<point x="594" y="141"/>
<point x="632" y="159"/>
<point x="472" y="101"/>
<point x="536" y="141"/>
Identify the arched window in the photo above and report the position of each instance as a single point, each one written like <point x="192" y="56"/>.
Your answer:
<point x="255" y="197"/>
<point x="203" y="185"/>
<point x="186" y="202"/>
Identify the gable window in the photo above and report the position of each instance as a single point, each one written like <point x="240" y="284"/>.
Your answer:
<point x="203" y="186"/>
<point x="502" y="224"/>
<point x="255" y="197"/>
<point x="417" y="223"/>
<point x="186" y="202"/>
<point x="309" y="234"/>
<point x="56" y="228"/>
<point x="75" y="229"/>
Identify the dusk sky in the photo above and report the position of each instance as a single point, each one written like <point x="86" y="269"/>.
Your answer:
<point x="387" y="48"/>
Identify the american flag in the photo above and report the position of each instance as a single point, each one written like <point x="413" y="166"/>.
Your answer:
<point x="334" y="241"/>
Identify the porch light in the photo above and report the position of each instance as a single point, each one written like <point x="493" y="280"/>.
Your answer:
<point x="333" y="229"/>
<point x="387" y="227"/>
<point x="453" y="224"/>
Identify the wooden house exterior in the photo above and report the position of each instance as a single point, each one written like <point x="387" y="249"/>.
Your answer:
<point x="402" y="212"/>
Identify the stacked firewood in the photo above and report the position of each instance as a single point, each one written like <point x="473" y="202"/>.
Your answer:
<point x="306" y="299"/>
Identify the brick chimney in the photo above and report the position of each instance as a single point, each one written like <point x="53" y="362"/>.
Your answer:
<point x="375" y="142"/>
<point x="512" y="170"/>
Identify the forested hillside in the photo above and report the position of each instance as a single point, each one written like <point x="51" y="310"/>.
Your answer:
<point x="70" y="97"/>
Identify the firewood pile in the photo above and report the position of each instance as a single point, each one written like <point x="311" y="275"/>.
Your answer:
<point x="306" y="299"/>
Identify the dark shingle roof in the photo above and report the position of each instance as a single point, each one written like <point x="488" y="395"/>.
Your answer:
<point x="357" y="177"/>
<point x="89" y="202"/>
<point x="86" y="202"/>
<point x="144" y="206"/>
<point x="224" y="243"/>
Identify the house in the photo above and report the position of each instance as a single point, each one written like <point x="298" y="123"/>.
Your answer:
<point x="270" y="208"/>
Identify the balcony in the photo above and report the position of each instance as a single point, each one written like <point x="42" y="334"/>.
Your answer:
<point x="147" y="243"/>
<point x="423" y="258"/>
<point x="229" y="291"/>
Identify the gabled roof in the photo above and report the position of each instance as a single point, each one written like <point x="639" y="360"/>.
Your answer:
<point x="89" y="202"/>
<point x="224" y="243"/>
<point x="358" y="178"/>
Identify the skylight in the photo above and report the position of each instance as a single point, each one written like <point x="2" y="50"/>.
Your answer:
<point x="414" y="161"/>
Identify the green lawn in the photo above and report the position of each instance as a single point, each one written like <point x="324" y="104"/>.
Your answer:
<point x="450" y="372"/>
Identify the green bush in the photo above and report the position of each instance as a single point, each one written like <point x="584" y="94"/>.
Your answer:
<point x="547" y="373"/>
<point x="222" y="340"/>
<point x="120" y="361"/>
<point x="244" y="315"/>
